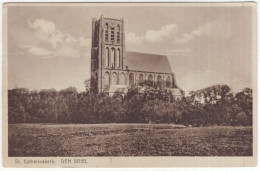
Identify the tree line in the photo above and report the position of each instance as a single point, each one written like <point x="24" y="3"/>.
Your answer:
<point x="216" y="105"/>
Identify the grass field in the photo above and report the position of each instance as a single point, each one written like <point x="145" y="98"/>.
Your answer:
<point x="76" y="140"/>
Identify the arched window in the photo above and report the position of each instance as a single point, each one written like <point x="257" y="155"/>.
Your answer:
<point x="114" y="79"/>
<point x="106" y="32"/>
<point x="113" y="57"/>
<point x="159" y="81"/>
<point x="122" y="79"/>
<point x="118" y="34"/>
<point x="118" y="58"/>
<point x="112" y="38"/>
<point x="150" y="77"/>
<point x="168" y="82"/>
<point x="131" y="79"/>
<point x="141" y="80"/>
<point x="107" y="57"/>
<point x="173" y="85"/>
<point x="106" y="83"/>
<point x="150" y="80"/>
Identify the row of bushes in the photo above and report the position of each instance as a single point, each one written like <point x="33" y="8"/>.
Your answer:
<point x="215" y="105"/>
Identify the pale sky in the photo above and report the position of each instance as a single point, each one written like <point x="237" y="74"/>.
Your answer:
<point x="49" y="47"/>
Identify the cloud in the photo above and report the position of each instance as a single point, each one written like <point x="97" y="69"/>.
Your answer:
<point x="181" y="52"/>
<point x="68" y="51"/>
<point x="166" y="32"/>
<point x="133" y="39"/>
<point x="37" y="51"/>
<point x="42" y="25"/>
<point x="153" y="36"/>
<point x="183" y="39"/>
<point x="212" y="30"/>
<point x="216" y="30"/>
<point x="48" y="41"/>
<point x="46" y="31"/>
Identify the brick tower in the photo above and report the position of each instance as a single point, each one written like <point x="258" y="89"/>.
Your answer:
<point x="107" y="52"/>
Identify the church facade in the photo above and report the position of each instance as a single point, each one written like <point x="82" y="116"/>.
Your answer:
<point x="113" y="68"/>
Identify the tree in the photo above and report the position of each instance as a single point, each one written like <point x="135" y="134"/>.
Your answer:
<point x="215" y="105"/>
<point x="87" y="84"/>
<point x="244" y="100"/>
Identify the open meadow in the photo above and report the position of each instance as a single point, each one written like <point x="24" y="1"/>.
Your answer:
<point x="78" y="140"/>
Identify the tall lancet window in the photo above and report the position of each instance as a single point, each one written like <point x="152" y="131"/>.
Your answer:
<point x="118" y="34"/>
<point x="131" y="79"/>
<point x="106" y="79"/>
<point x="159" y="81"/>
<point x="107" y="57"/>
<point x="150" y="80"/>
<point x="122" y="79"/>
<point x="118" y="58"/>
<point x="106" y="32"/>
<point x="112" y="34"/>
<point x="141" y="79"/>
<point x="113" y="57"/>
<point x="114" y="79"/>
<point x="168" y="82"/>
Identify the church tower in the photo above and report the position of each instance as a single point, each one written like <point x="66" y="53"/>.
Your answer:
<point x="113" y="69"/>
<point x="108" y="53"/>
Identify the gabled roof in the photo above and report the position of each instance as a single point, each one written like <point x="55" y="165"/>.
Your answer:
<point x="176" y="92"/>
<point x="148" y="62"/>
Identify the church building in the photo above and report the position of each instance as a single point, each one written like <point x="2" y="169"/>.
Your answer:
<point x="113" y="68"/>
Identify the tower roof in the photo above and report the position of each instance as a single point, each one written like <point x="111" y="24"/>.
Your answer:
<point x="148" y="62"/>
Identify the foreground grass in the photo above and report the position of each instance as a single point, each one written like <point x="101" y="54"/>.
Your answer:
<point x="76" y="140"/>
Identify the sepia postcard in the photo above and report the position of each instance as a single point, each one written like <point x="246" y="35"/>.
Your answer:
<point x="129" y="85"/>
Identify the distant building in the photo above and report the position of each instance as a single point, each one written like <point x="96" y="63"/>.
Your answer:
<point x="113" y="68"/>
